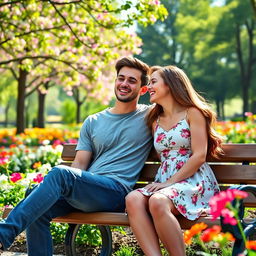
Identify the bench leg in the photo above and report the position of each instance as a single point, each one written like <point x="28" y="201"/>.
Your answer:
<point x="106" y="236"/>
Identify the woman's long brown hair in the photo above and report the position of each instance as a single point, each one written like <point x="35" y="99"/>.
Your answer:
<point x="184" y="93"/>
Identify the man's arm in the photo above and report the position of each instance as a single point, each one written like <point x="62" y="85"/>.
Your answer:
<point x="82" y="159"/>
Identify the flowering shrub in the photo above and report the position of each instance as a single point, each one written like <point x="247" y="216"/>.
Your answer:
<point x="21" y="166"/>
<point x="39" y="136"/>
<point x="239" y="132"/>
<point x="221" y="206"/>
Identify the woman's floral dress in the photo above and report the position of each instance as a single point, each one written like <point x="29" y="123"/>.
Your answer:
<point x="190" y="196"/>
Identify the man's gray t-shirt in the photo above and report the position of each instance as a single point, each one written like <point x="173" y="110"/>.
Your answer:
<point x="120" y="144"/>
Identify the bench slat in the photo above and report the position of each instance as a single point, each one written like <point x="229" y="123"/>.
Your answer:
<point x="230" y="174"/>
<point x="233" y="153"/>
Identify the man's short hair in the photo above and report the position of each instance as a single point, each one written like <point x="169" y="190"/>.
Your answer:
<point x="134" y="63"/>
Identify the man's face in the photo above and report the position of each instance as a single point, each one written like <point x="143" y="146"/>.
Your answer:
<point x="128" y="84"/>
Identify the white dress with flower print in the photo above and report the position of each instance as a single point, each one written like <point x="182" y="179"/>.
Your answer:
<point x="190" y="196"/>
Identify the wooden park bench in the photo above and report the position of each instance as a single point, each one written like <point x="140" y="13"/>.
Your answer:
<point x="236" y="167"/>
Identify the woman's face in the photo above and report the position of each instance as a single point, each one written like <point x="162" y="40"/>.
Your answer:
<point x="157" y="89"/>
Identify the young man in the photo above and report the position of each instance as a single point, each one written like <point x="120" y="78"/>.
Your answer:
<point x="111" y="151"/>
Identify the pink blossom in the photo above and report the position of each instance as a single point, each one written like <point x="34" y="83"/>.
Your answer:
<point x="183" y="151"/>
<point x="228" y="217"/>
<point x="160" y="137"/>
<point x="194" y="199"/>
<point x="179" y="165"/>
<point x="4" y="160"/>
<point x="185" y="133"/>
<point x="165" y="167"/>
<point x="15" y="177"/>
<point x="38" y="178"/>
<point x="182" y="208"/>
<point x="166" y="153"/>
<point x="220" y="201"/>
<point x="248" y="113"/>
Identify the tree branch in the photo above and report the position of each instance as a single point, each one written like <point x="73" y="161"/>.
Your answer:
<point x="65" y="21"/>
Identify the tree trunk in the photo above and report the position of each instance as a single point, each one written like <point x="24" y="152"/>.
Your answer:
<point x="6" y="110"/>
<point x="20" y="118"/>
<point x="78" y="111"/>
<point x="223" y="117"/>
<point x="217" y="102"/>
<point x="41" y="107"/>
<point x="246" y="67"/>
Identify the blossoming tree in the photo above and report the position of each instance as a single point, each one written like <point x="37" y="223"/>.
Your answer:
<point x="75" y="39"/>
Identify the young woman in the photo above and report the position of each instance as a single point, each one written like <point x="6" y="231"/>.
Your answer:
<point x="182" y="124"/>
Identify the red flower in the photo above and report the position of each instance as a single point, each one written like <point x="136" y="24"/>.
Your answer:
<point x="38" y="178"/>
<point x="251" y="245"/>
<point x="15" y="177"/>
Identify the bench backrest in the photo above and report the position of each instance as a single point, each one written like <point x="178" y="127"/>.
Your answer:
<point x="236" y="166"/>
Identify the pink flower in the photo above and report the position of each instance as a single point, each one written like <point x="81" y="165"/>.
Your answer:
<point x="248" y="113"/>
<point x="15" y="177"/>
<point x="165" y="167"/>
<point x="166" y="153"/>
<point x="182" y="208"/>
<point x="4" y="160"/>
<point x="194" y="199"/>
<point x="220" y="201"/>
<point x="185" y="133"/>
<point x="228" y="217"/>
<point x="160" y="137"/>
<point x="179" y="165"/>
<point x="38" y="178"/>
<point x="183" y="151"/>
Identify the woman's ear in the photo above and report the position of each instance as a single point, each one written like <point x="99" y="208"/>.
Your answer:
<point x="143" y="90"/>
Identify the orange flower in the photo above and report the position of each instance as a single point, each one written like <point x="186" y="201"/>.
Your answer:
<point x="195" y="230"/>
<point x="37" y="165"/>
<point x="251" y="245"/>
<point x="209" y="233"/>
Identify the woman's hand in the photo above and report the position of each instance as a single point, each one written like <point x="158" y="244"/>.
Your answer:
<point x="155" y="186"/>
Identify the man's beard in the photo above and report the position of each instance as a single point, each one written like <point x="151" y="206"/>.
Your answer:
<point x="126" y="99"/>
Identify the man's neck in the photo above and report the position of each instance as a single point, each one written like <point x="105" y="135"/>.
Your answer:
<point x="123" y="107"/>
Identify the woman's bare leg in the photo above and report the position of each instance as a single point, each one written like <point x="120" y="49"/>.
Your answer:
<point x="167" y="226"/>
<point x="142" y="224"/>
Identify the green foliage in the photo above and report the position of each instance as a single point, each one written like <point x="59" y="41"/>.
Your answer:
<point x="11" y="196"/>
<point x="125" y="251"/>
<point x="58" y="231"/>
<point x="88" y="234"/>
<point x="68" y="111"/>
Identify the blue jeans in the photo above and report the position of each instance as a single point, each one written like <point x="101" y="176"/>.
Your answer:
<point x="63" y="190"/>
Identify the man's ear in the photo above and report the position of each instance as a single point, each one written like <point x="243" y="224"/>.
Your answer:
<point x="143" y="90"/>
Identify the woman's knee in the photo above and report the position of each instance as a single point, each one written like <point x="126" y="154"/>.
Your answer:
<point x="159" y="205"/>
<point x="133" y="201"/>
